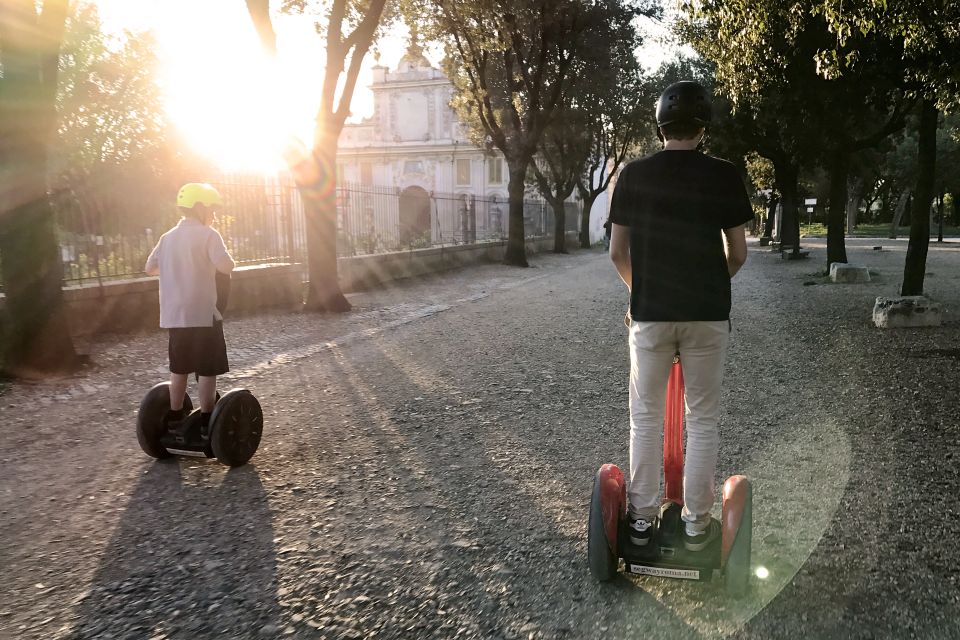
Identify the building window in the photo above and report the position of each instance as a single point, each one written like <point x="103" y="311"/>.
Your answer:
<point x="366" y="173"/>
<point x="495" y="171"/>
<point x="463" y="172"/>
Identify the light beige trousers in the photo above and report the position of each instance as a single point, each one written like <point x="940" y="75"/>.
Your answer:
<point x="703" y="348"/>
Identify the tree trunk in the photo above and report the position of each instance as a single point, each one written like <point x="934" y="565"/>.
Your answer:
<point x="898" y="213"/>
<point x="559" y="225"/>
<point x="36" y="340"/>
<point x="916" y="262"/>
<point x="516" y="254"/>
<point x="315" y="176"/>
<point x="839" y="170"/>
<point x="854" y="197"/>
<point x="587" y="198"/>
<point x="786" y="177"/>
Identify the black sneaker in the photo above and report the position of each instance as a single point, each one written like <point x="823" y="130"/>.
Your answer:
<point x="640" y="531"/>
<point x="703" y="540"/>
<point x="171" y="419"/>
<point x="187" y="430"/>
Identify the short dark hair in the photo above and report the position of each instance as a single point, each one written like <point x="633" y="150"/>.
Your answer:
<point x="680" y="130"/>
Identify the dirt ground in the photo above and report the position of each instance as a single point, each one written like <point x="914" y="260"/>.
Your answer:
<point x="427" y="464"/>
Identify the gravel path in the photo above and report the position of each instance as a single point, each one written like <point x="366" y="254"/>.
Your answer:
<point x="427" y="463"/>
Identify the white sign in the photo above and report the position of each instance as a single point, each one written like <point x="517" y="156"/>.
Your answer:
<point x="810" y="201"/>
<point x="644" y="570"/>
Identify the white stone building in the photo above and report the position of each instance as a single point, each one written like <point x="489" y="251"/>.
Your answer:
<point x="414" y="146"/>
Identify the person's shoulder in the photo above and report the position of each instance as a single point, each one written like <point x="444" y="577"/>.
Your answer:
<point x="638" y="165"/>
<point x="644" y="161"/>
<point x="719" y="163"/>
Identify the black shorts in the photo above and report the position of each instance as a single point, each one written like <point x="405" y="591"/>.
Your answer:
<point x="199" y="350"/>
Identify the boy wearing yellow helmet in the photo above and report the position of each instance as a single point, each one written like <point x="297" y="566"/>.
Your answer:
<point x="188" y="258"/>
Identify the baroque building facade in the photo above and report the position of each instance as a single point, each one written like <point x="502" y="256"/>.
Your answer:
<point x="414" y="146"/>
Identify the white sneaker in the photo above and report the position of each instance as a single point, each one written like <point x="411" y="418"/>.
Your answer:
<point x="640" y="531"/>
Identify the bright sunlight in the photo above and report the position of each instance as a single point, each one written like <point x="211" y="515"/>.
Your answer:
<point x="231" y="102"/>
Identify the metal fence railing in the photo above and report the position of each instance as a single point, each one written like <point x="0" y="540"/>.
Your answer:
<point x="263" y="222"/>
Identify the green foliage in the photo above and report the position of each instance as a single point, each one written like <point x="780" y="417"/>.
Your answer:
<point x="926" y="31"/>
<point x="510" y="62"/>
<point x="882" y="230"/>
<point x="760" y="171"/>
<point x="617" y="101"/>
<point x="112" y="167"/>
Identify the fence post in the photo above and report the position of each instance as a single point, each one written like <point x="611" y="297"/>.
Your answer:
<point x="472" y="220"/>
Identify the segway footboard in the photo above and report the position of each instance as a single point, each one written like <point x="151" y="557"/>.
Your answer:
<point x="665" y="556"/>
<point x="670" y="562"/>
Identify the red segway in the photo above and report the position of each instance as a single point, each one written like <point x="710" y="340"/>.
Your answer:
<point x="608" y="537"/>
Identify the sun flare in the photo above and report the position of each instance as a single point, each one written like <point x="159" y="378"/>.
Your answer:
<point x="229" y="101"/>
<point x="233" y="103"/>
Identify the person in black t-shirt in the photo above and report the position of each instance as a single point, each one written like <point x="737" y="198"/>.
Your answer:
<point x="677" y="238"/>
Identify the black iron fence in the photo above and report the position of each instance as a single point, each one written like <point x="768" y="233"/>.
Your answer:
<point x="262" y="222"/>
<point x="375" y="219"/>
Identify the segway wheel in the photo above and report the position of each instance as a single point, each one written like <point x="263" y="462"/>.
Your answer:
<point x="235" y="427"/>
<point x="606" y="506"/>
<point x="737" y="521"/>
<point x="150" y="428"/>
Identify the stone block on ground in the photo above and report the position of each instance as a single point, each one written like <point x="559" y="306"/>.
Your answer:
<point x="850" y="273"/>
<point x="788" y="254"/>
<point x="907" y="311"/>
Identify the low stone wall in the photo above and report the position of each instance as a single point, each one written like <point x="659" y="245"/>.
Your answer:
<point x="360" y="273"/>
<point x="131" y="305"/>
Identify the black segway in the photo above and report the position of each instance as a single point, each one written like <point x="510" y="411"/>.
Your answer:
<point x="235" y="427"/>
<point x="232" y="437"/>
<point x="608" y="534"/>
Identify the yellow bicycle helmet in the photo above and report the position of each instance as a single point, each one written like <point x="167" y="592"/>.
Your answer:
<point x="194" y="192"/>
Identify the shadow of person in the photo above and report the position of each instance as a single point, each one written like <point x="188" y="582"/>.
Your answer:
<point x="193" y="556"/>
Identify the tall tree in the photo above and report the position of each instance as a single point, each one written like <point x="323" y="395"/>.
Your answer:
<point x="350" y="28"/>
<point x="620" y="103"/>
<point x="510" y="62"/>
<point x="598" y="119"/>
<point x="769" y="53"/>
<point x="36" y="333"/>
<point x="751" y="46"/>
<point x="113" y="160"/>
<point x="930" y="56"/>
<point x="563" y="151"/>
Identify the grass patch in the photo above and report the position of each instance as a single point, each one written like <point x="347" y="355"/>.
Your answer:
<point x="819" y="230"/>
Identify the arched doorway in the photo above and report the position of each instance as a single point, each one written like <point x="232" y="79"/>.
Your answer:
<point x="415" y="217"/>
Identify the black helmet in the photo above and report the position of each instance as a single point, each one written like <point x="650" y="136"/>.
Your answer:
<point x="685" y="101"/>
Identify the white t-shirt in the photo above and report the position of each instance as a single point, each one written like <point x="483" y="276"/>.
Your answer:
<point x="188" y="257"/>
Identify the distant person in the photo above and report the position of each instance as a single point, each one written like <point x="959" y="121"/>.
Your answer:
<point x="188" y="258"/>
<point x="677" y="239"/>
<point x="606" y="233"/>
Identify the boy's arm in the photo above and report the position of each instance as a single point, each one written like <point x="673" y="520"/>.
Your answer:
<point x="219" y="256"/>
<point x="620" y="252"/>
<point x="735" y="248"/>
<point x="152" y="268"/>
